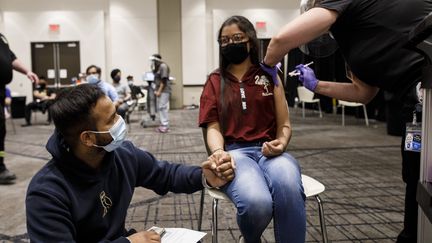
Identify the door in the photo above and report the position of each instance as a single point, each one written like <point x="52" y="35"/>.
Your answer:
<point x="59" y="62"/>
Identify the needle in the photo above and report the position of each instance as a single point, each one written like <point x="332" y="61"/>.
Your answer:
<point x="296" y="72"/>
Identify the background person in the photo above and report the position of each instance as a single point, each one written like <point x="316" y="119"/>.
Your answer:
<point x="43" y="98"/>
<point x="83" y="193"/>
<point x="8" y="62"/>
<point x="372" y="36"/>
<point x="123" y="92"/>
<point x="163" y="90"/>
<point x="249" y="120"/>
<point x="93" y="76"/>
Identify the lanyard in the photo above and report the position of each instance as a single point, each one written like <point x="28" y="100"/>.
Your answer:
<point x="243" y="97"/>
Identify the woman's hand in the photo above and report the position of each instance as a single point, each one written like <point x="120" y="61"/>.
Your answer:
<point x="219" y="168"/>
<point x="273" y="148"/>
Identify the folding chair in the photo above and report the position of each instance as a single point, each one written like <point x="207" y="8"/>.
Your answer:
<point x="343" y="103"/>
<point x="306" y="96"/>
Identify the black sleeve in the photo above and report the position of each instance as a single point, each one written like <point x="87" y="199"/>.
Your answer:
<point x="337" y="5"/>
<point x="12" y="55"/>
<point x="164" y="176"/>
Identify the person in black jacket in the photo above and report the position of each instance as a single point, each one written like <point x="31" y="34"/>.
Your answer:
<point x="82" y="194"/>
<point x="372" y="36"/>
<point x="8" y="62"/>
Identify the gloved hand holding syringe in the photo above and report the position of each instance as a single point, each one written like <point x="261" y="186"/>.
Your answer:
<point x="296" y="72"/>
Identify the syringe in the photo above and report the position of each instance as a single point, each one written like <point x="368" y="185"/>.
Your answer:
<point x="296" y="72"/>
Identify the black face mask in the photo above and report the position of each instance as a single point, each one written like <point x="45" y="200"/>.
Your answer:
<point x="42" y="86"/>
<point x="235" y="53"/>
<point x="116" y="79"/>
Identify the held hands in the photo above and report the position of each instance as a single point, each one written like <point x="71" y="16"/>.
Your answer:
<point x="157" y="93"/>
<point x="219" y="168"/>
<point x="273" y="148"/>
<point x="145" y="237"/>
<point x="307" y="77"/>
<point x="272" y="71"/>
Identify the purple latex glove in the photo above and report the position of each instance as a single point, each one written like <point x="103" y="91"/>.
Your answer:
<point x="272" y="71"/>
<point x="307" y="77"/>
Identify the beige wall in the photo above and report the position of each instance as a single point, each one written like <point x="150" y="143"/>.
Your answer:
<point x="169" y="34"/>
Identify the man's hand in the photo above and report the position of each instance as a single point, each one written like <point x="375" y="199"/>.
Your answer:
<point x="273" y="148"/>
<point x="145" y="237"/>
<point x="272" y="71"/>
<point x="157" y="93"/>
<point x="307" y="77"/>
<point x="218" y="169"/>
<point x="33" y="77"/>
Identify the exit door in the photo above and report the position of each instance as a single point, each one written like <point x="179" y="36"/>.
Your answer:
<point x="59" y="62"/>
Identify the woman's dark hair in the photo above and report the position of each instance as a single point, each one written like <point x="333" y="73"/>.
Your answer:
<point x="98" y="69"/>
<point x="245" y="26"/>
<point x="72" y="110"/>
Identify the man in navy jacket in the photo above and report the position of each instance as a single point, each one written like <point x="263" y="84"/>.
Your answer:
<point x="82" y="194"/>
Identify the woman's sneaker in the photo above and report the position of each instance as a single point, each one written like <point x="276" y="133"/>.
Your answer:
<point x="163" y="129"/>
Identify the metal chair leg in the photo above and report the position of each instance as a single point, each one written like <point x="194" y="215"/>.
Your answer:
<point x="365" y="115"/>
<point x="201" y="210"/>
<point x="214" y="221"/>
<point x="319" y="108"/>
<point x="303" y="109"/>
<point x="322" y="219"/>
<point x="343" y="115"/>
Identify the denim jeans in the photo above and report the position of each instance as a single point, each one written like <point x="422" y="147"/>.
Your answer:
<point x="163" y="102"/>
<point x="264" y="188"/>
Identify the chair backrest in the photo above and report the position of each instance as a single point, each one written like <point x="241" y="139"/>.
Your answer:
<point x="304" y="94"/>
<point x="17" y="106"/>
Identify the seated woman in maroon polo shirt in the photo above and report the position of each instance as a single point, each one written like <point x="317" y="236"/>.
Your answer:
<point x="245" y="114"/>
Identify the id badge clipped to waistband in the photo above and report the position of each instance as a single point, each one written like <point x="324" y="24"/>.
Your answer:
<point x="413" y="137"/>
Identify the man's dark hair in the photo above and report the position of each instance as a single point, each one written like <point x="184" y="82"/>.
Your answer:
<point x="247" y="27"/>
<point x="72" y="111"/>
<point x="157" y="56"/>
<point x="129" y="77"/>
<point x="114" y="72"/>
<point x="98" y="69"/>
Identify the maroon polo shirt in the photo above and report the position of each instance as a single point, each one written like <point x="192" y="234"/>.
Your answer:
<point x="257" y="122"/>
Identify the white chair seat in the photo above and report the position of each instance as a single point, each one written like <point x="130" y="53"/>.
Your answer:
<point x="350" y="104"/>
<point x="215" y="193"/>
<point x="311" y="186"/>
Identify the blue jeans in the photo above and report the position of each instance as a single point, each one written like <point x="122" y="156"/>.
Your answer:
<point x="264" y="188"/>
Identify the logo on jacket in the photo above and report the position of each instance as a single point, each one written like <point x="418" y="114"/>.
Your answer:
<point x="106" y="202"/>
<point x="263" y="80"/>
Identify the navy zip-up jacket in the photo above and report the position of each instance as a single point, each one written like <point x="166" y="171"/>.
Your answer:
<point x="68" y="201"/>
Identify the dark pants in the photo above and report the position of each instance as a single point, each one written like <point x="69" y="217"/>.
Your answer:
<point x="411" y="176"/>
<point x="2" y="128"/>
<point x="41" y="106"/>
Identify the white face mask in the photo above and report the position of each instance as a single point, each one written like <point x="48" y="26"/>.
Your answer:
<point x="93" y="79"/>
<point x="118" y="132"/>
